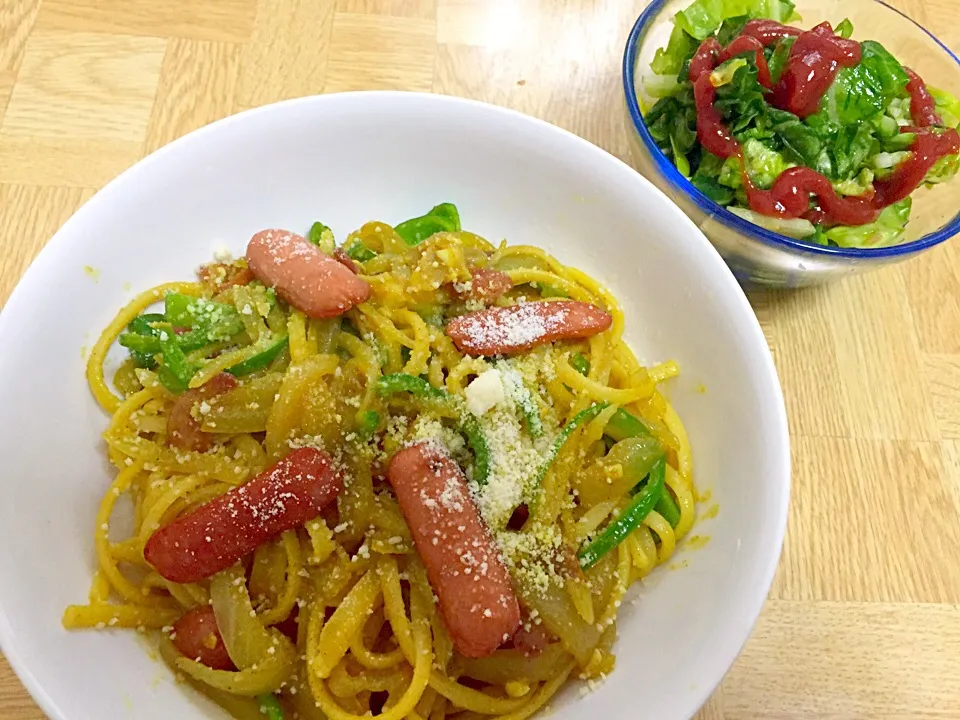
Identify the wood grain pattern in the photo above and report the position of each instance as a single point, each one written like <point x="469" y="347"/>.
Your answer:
<point x="230" y="20"/>
<point x="841" y="661"/>
<point x="31" y="215"/>
<point x="272" y="68"/>
<point x="863" y="620"/>
<point x="197" y="85"/>
<point x="376" y="52"/>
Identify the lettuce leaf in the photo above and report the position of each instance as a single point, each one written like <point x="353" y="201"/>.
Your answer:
<point x="706" y="178"/>
<point x="900" y="141"/>
<point x="899" y="110"/>
<point x="886" y="126"/>
<point x="763" y="164"/>
<point x="943" y="169"/>
<point x="850" y="148"/>
<point x="704" y="17"/>
<point x="680" y="48"/>
<point x="865" y="90"/>
<point x="853" y="139"/>
<point x="948" y="106"/>
<point x="680" y="154"/>
<point x="730" y="29"/>
<point x="779" y="56"/>
<point x="741" y="100"/>
<point x="720" y="194"/>
<point x="888" y="160"/>
<point x="799" y="228"/>
<point x="672" y="122"/>
<point x="661" y="86"/>
<point x="723" y="74"/>
<point x="887" y="229"/>
<point x="856" y="186"/>
<point x="801" y="143"/>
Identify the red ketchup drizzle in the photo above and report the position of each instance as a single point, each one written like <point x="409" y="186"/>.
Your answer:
<point x="815" y="58"/>
<point x="922" y="107"/>
<point x="711" y="132"/>
<point x="929" y="146"/>
<point x="790" y="197"/>
<point x="745" y="43"/>
<point x="769" y="31"/>
<point x="925" y="151"/>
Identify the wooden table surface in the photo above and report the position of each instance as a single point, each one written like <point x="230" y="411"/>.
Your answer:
<point x="863" y="620"/>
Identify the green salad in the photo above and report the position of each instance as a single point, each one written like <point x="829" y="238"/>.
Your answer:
<point x="863" y="129"/>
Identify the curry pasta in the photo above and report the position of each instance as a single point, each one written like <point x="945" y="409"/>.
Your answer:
<point x="409" y="476"/>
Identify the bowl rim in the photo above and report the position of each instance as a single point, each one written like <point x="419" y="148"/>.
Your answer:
<point x="768" y="558"/>
<point x="721" y="213"/>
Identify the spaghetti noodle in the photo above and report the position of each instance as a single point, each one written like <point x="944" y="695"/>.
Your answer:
<point x="574" y="462"/>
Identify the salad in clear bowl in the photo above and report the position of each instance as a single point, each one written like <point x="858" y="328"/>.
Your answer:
<point x="793" y="130"/>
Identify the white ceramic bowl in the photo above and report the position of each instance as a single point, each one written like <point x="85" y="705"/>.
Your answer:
<point x="347" y="159"/>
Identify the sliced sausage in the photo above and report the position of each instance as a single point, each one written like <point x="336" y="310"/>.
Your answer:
<point x="197" y="636"/>
<point x="215" y="535"/>
<point x="486" y="285"/>
<point x="341" y="257"/>
<point x="472" y="585"/>
<point x="513" y="329"/>
<point x="183" y="430"/>
<point x="531" y="642"/>
<point x="303" y="275"/>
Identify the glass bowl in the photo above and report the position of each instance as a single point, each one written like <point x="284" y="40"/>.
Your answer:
<point x="761" y="257"/>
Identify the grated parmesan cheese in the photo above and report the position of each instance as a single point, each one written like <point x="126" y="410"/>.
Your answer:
<point x="517" y="327"/>
<point x="513" y="464"/>
<point x="533" y="556"/>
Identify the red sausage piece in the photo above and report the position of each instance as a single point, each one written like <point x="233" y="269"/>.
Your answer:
<point x="197" y="636"/>
<point x="303" y="275"/>
<point x="476" y="600"/>
<point x="512" y="329"/>
<point x="215" y="535"/>
<point x="183" y="430"/>
<point x="341" y="257"/>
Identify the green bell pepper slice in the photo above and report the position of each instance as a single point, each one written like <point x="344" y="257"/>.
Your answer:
<point x="322" y="236"/>
<point x="442" y="218"/>
<point x="580" y="363"/>
<point x="367" y="423"/>
<point x="469" y="427"/>
<point x="631" y="518"/>
<point x="481" y="450"/>
<point x="356" y="250"/>
<point x="270" y="706"/>
<point x="261" y="359"/>
<point x="142" y="339"/>
<point x="209" y="321"/>
<point x="575" y="422"/>
<point x="530" y="411"/>
<point x="623" y="425"/>
<point x="175" y="371"/>
<point x="403" y="382"/>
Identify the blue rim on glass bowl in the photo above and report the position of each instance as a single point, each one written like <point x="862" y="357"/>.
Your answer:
<point x="758" y="256"/>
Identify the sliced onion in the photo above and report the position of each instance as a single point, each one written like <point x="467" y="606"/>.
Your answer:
<point x="248" y="642"/>
<point x="561" y="618"/>
<point x="506" y="665"/>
